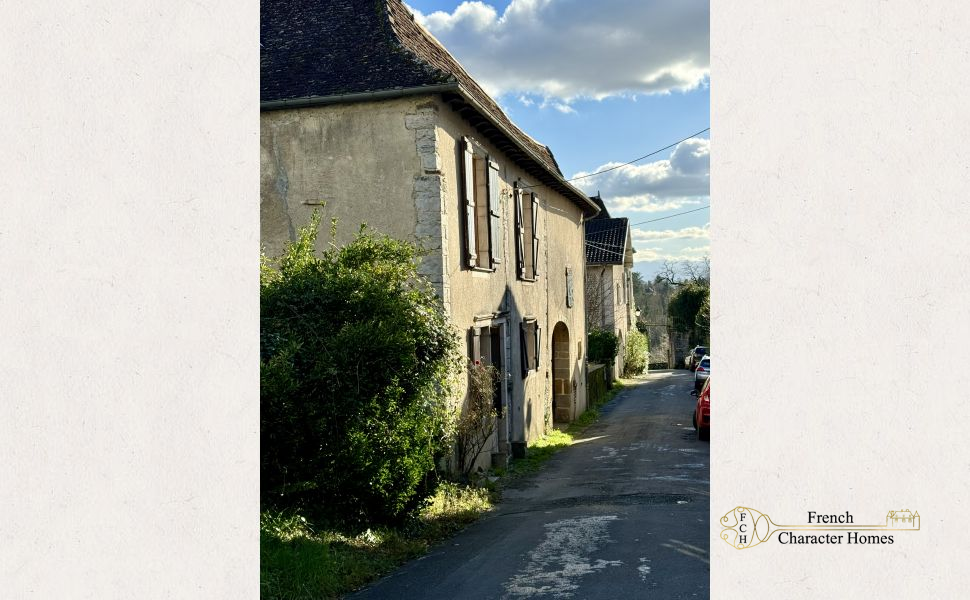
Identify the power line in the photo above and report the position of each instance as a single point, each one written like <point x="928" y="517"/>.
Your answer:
<point x="670" y="216"/>
<point x="647" y="221"/>
<point x="626" y="164"/>
<point x="604" y="248"/>
<point x="642" y="157"/>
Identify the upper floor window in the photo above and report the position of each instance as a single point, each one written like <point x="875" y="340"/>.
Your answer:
<point x="527" y="234"/>
<point x="481" y="190"/>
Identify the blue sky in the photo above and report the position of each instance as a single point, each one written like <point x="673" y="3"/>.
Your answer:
<point x="602" y="83"/>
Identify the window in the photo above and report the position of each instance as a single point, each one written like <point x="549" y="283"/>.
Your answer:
<point x="527" y="234"/>
<point x="530" y="335"/>
<point x="480" y="190"/>
<point x="485" y="348"/>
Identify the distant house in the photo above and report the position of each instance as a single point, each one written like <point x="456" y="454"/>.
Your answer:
<point x="368" y="118"/>
<point x="609" y="272"/>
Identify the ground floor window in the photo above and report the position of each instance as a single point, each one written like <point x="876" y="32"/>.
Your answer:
<point x="530" y="336"/>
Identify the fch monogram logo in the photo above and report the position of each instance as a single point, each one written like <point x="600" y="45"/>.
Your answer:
<point x="745" y="528"/>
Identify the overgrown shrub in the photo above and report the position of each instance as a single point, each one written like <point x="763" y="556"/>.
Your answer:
<point x="604" y="345"/>
<point x="635" y="354"/>
<point x="684" y="307"/>
<point x="476" y="424"/>
<point x="356" y="357"/>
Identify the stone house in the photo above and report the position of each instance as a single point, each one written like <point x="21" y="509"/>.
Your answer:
<point x="609" y="277"/>
<point x="368" y="118"/>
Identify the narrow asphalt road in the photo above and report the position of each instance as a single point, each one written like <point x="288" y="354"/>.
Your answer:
<point x="622" y="513"/>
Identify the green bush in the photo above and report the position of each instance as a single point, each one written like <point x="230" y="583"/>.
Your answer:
<point x="635" y="354"/>
<point x="356" y="357"/>
<point x="604" y="345"/>
<point x="684" y="307"/>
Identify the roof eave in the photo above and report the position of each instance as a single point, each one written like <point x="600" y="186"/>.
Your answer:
<point x="588" y="207"/>
<point x="358" y="96"/>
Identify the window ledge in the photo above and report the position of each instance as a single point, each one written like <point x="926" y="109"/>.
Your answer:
<point x="481" y="269"/>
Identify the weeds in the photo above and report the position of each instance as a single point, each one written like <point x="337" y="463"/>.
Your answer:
<point x="299" y="562"/>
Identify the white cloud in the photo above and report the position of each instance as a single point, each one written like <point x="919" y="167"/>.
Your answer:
<point x="568" y="49"/>
<point x="682" y="255"/>
<point x="682" y="180"/>
<point x="647" y="203"/>
<point x="672" y="234"/>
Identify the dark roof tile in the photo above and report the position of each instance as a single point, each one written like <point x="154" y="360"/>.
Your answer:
<point x="606" y="241"/>
<point x="323" y="48"/>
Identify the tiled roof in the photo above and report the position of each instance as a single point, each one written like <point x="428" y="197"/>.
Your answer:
<point x="606" y="241"/>
<point x="598" y="201"/>
<point x="325" y="48"/>
<point x="329" y="47"/>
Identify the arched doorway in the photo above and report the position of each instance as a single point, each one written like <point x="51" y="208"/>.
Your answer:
<point x="562" y="377"/>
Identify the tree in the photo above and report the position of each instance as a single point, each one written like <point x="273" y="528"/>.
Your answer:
<point x="635" y="354"/>
<point x="604" y="346"/>
<point x="703" y="319"/>
<point x="355" y="360"/>
<point x="684" y="306"/>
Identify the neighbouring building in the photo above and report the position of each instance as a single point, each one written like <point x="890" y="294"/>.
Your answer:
<point x="366" y="117"/>
<point x="609" y="277"/>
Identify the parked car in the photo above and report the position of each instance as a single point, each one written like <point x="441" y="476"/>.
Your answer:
<point x="702" y="411"/>
<point x="702" y="373"/>
<point x="694" y="356"/>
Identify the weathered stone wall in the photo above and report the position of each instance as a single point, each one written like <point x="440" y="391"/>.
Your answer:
<point x="370" y="162"/>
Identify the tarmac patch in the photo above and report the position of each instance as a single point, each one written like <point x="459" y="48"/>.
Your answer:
<point x="563" y="556"/>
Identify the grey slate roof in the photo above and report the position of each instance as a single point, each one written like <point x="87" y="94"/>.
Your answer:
<point x="598" y="201"/>
<point x="606" y="241"/>
<point x="327" y="48"/>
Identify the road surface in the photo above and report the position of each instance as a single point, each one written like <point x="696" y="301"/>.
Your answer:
<point x="622" y="513"/>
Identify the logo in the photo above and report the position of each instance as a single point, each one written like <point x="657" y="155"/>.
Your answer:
<point x="746" y="528"/>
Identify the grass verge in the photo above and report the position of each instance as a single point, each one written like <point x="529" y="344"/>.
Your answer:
<point x="299" y="561"/>
<point x="544" y="448"/>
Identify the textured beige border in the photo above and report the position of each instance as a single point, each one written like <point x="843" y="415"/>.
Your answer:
<point x="128" y="299"/>
<point x="839" y="244"/>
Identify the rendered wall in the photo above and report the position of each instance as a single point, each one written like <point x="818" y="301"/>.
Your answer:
<point x="484" y="293"/>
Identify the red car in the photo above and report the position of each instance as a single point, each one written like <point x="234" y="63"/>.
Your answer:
<point x="702" y="411"/>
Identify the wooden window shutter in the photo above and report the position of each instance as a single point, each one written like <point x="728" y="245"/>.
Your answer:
<point x="538" y="341"/>
<point x="475" y="344"/>
<point x="468" y="190"/>
<point x="535" y="236"/>
<point x="523" y="346"/>
<point x="519" y="234"/>
<point x="569" y="287"/>
<point x="494" y="214"/>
